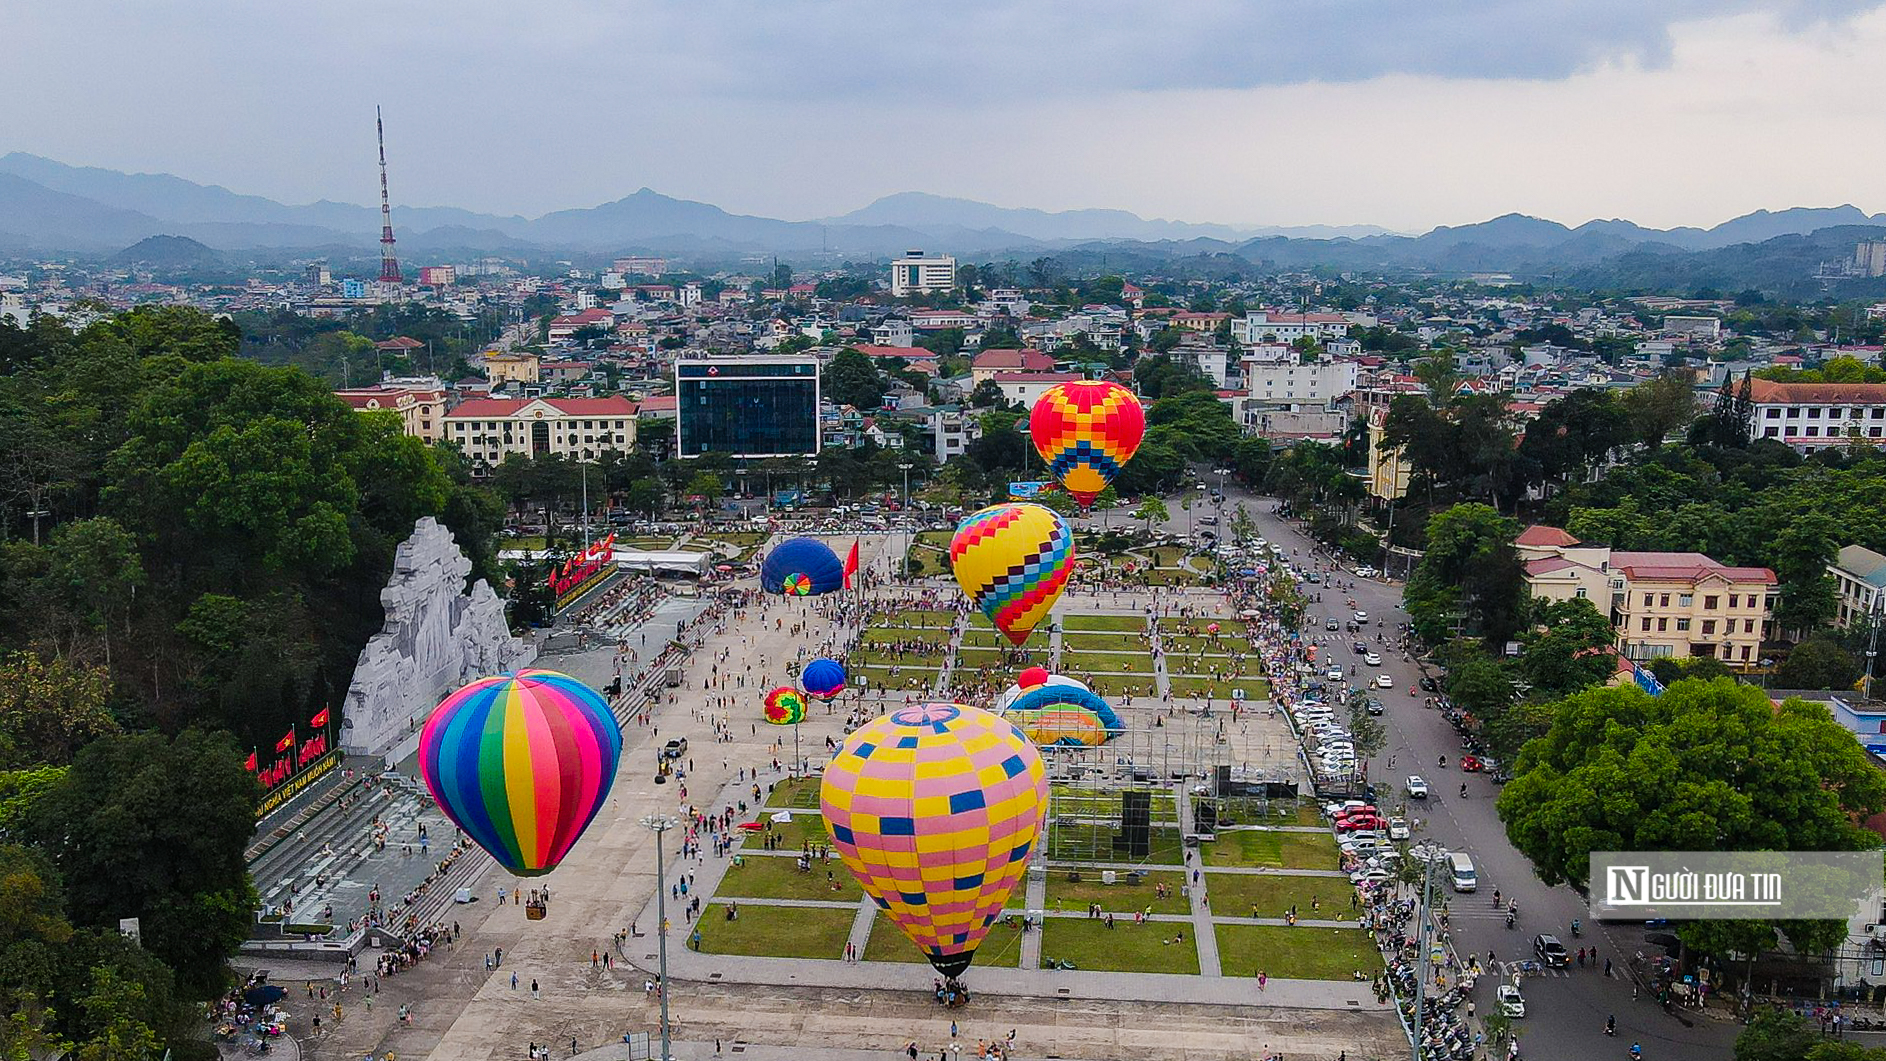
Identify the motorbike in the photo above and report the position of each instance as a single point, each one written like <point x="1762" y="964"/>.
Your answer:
<point x="1610" y="1025"/>
<point x="1463" y="790"/>
<point x="1578" y="929"/>
<point x="1510" y="918"/>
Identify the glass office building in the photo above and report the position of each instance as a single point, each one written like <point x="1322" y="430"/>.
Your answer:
<point x="750" y="406"/>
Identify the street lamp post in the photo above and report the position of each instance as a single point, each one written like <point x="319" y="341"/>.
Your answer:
<point x="1421" y="959"/>
<point x="904" y="466"/>
<point x="661" y="823"/>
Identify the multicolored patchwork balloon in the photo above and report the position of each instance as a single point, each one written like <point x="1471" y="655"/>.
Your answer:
<point x="1060" y="710"/>
<point x="1013" y="560"/>
<point x="935" y="808"/>
<point x="823" y="679"/>
<point x="784" y="706"/>
<point x="1086" y="430"/>
<point x="521" y="762"/>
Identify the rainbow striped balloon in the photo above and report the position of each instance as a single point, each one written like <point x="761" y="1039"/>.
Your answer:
<point x="1086" y="430"/>
<point x="1013" y="561"/>
<point x="784" y="706"/>
<point x="935" y="809"/>
<point x="521" y="762"/>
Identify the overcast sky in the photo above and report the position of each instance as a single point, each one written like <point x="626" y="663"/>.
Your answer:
<point x="1404" y="113"/>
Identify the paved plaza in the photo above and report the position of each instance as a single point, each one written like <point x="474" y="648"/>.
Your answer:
<point x="461" y="1007"/>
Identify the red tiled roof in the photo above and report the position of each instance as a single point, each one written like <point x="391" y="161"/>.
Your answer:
<point x="399" y="342"/>
<point x="1027" y="359"/>
<point x="1767" y="390"/>
<point x="1037" y="377"/>
<point x="1550" y="564"/>
<point x="479" y="408"/>
<point x="1540" y="534"/>
<point x="1684" y="566"/>
<point x="659" y="403"/>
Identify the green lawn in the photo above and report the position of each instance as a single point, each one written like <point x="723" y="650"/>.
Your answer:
<point x="980" y="656"/>
<point x="773" y="877"/>
<point x="1192" y="646"/>
<point x="1098" y="642"/>
<point x="1189" y="685"/>
<point x="1103" y="622"/>
<point x="1298" y="953"/>
<point x="881" y="677"/>
<point x="1001" y="948"/>
<point x="773" y="931"/>
<point x="800" y="792"/>
<point x="1249" y="810"/>
<point x="1232" y="895"/>
<point x="532" y="543"/>
<point x="1268" y="847"/>
<point x="1122" y="897"/>
<point x="926" y="561"/>
<point x="1107" y="662"/>
<point x="794" y="834"/>
<point x="1197" y="627"/>
<point x="1118" y="685"/>
<point x="1127" y="948"/>
<point x="1084" y="842"/>
<point x="877" y="657"/>
<point x="887" y="635"/>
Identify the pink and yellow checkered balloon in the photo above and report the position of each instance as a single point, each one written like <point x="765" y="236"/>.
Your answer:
<point x="935" y="809"/>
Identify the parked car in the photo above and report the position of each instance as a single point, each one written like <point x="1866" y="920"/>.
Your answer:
<point x="1471" y="764"/>
<point x="675" y="748"/>
<point x="1398" y="829"/>
<point x="1511" y="1002"/>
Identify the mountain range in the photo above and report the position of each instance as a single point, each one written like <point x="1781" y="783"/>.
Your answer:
<point x="49" y="206"/>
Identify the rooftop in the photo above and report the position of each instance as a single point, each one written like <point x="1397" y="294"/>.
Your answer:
<point x="1863" y="564"/>
<point x="1767" y="390"/>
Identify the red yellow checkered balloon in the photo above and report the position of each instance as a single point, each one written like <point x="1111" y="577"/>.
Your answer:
<point x="1086" y="430"/>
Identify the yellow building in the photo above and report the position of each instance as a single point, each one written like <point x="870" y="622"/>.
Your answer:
<point x="503" y="367"/>
<point x="1660" y="604"/>
<point x="419" y="404"/>
<point x="489" y="429"/>
<point x="1389" y="467"/>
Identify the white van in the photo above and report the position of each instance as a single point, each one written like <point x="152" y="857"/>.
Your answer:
<point x="1465" y="880"/>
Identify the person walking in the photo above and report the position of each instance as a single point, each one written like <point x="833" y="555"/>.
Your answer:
<point x="533" y="989"/>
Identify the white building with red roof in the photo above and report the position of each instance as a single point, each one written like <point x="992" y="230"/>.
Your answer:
<point x="569" y="324"/>
<point x="489" y="429"/>
<point x="988" y="363"/>
<point x="1811" y="416"/>
<point x="419" y="402"/>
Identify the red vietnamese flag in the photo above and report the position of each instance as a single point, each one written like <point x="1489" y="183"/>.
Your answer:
<point x="851" y="563"/>
<point x="249" y="763"/>
<point x="319" y="720"/>
<point x="286" y="742"/>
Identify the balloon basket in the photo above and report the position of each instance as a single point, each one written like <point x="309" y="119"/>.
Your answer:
<point x="535" y="911"/>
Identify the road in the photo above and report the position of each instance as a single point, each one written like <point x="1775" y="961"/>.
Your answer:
<point x="1565" y="1011"/>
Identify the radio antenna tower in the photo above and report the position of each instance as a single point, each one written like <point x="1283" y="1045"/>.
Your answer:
<point x="389" y="261"/>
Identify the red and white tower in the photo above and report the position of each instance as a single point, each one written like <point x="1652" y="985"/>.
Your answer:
<point x="389" y="261"/>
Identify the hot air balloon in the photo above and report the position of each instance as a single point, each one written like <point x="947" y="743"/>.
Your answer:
<point x="1086" y="430"/>
<point x="521" y="762"/>
<point x="1013" y="561"/>
<point x="1031" y="677"/>
<point x="785" y="707"/>
<point x="823" y="679"/>
<point x="935" y="808"/>
<point x="802" y="567"/>
<point x="1060" y="710"/>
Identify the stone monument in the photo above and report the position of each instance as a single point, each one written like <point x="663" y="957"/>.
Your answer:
<point x="436" y="638"/>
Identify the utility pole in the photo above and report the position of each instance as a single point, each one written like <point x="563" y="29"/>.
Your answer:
<point x="904" y="466"/>
<point x="1421" y="959"/>
<point x="660" y="824"/>
<point x="1872" y="640"/>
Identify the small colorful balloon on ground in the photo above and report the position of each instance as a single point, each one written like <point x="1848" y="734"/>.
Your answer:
<point x="823" y="679"/>
<point x="802" y="567"/>
<point x="1013" y="560"/>
<point x="1086" y="430"/>
<point x="1031" y="677"/>
<point x="935" y="809"/>
<point x="521" y="762"/>
<point x="1060" y="710"/>
<point x="784" y="706"/>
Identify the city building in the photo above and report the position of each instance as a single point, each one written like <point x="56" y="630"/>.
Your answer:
<point x="894" y="331"/>
<point x="1708" y="329"/>
<point x="1859" y="576"/>
<point x="640" y="266"/>
<point x="502" y="367"/>
<point x="1389" y="468"/>
<point x="954" y="428"/>
<point x="1660" y="604"/>
<point x="418" y="401"/>
<point x="438" y="275"/>
<point x="1811" y="416"/>
<point x="489" y="429"/>
<point x="747" y="406"/>
<point x="563" y="327"/>
<point x="1266" y="327"/>
<point x="987" y="364"/>
<point x="1296" y="386"/>
<point x="918" y="274"/>
<point x="1026" y="387"/>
